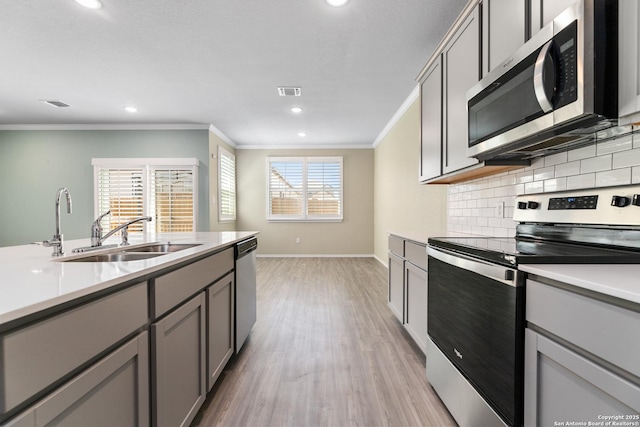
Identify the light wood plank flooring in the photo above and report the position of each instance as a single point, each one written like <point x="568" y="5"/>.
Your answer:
<point x="325" y="351"/>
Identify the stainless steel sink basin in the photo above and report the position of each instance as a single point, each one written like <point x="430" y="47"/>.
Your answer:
<point x="134" y="253"/>
<point x="116" y="257"/>
<point x="163" y="247"/>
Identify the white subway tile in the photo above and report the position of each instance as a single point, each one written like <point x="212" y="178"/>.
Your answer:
<point x="635" y="175"/>
<point x="567" y="169"/>
<point x="614" y="146"/>
<point x="556" y="159"/>
<point x="543" y="173"/>
<point x="613" y="177"/>
<point x="626" y="158"/>
<point x="523" y="177"/>
<point x="508" y="180"/>
<point x="483" y="221"/>
<point x="581" y="181"/>
<point x="517" y="189"/>
<point x="596" y="164"/>
<point x="482" y="203"/>
<point x="501" y="191"/>
<point x="582" y="153"/>
<point x="534" y="187"/>
<point x="555" y="184"/>
<point x="495" y="222"/>
<point x="536" y="163"/>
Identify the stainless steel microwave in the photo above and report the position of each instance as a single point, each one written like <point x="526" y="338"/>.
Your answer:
<point x="560" y="84"/>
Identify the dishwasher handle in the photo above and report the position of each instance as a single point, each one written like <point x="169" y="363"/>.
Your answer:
<point x="246" y="246"/>
<point x="496" y="272"/>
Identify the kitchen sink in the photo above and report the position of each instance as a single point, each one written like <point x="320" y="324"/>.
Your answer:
<point x="134" y="253"/>
<point x="117" y="257"/>
<point x="163" y="247"/>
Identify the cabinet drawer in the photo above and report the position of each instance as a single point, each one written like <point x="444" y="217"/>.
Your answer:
<point x="396" y="245"/>
<point x="35" y="357"/>
<point x="416" y="254"/>
<point x="170" y="290"/>
<point x="113" y="392"/>
<point x="606" y="330"/>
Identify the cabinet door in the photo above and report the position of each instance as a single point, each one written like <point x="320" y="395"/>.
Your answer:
<point x="220" y="325"/>
<point x="503" y="31"/>
<point x="431" y="122"/>
<point x="396" y="286"/>
<point x="113" y="392"/>
<point x="562" y="385"/>
<point x="416" y="296"/>
<point x="461" y="65"/>
<point x="179" y="364"/>
<point x="544" y="11"/>
<point x="629" y="82"/>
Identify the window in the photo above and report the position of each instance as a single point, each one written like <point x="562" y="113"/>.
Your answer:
<point x="226" y="186"/>
<point x="165" y="189"/>
<point x="305" y="189"/>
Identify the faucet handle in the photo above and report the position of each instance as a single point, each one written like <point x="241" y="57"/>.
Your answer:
<point x="102" y="216"/>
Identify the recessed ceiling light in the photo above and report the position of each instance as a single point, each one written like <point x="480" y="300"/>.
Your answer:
<point x="91" y="4"/>
<point x="302" y="134"/>
<point x="131" y="109"/>
<point x="336" y="3"/>
<point x="296" y="109"/>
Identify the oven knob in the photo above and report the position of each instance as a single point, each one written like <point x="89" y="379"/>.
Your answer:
<point x="522" y="205"/>
<point x="533" y="205"/>
<point x="636" y="200"/>
<point x="619" y="201"/>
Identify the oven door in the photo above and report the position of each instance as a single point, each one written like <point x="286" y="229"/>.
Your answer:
<point x="476" y="319"/>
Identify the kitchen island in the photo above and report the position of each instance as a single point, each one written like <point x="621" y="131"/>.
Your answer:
<point x="130" y="340"/>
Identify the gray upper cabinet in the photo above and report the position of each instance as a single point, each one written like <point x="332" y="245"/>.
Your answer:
<point x="431" y="122"/>
<point x="461" y="70"/>
<point x="503" y="30"/>
<point x="629" y="59"/>
<point x="543" y="12"/>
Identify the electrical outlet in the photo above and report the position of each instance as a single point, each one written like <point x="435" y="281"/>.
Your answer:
<point x="500" y="210"/>
<point x="297" y="240"/>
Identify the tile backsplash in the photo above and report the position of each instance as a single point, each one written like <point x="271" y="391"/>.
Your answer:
<point x="474" y="206"/>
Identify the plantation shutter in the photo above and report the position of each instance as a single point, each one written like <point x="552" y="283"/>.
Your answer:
<point x="305" y="188"/>
<point x="324" y="188"/>
<point x="286" y="189"/>
<point x="121" y="191"/>
<point x="226" y="186"/>
<point x="172" y="199"/>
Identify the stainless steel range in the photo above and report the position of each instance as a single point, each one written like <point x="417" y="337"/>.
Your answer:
<point x="476" y="322"/>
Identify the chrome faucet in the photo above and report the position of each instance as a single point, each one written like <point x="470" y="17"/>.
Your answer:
<point x="56" y="241"/>
<point x="96" y="230"/>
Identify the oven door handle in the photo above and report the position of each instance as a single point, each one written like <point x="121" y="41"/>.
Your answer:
<point x="492" y="271"/>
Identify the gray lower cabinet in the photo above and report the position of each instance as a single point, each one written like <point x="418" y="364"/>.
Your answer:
<point x="220" y="327"/>
<point x="178" y="364"/>
<point x="416" y="308"/>
<point x="112" y="392"/>
<point x="581" y="357"/>
<point x="396" y="285"/>
<point x="408" y="286"/>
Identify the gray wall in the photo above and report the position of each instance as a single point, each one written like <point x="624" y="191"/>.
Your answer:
<point x="34" y="164"/>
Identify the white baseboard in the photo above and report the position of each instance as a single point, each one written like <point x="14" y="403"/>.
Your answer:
<point x="315" y="256"/>
<point x="384" y="263"/>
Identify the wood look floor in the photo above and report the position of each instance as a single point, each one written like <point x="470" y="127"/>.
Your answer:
<point x="326" y="351"/>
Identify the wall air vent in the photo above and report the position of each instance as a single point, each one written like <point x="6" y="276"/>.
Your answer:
<point x="289" y="91"/>
<point x="55" y="103"/>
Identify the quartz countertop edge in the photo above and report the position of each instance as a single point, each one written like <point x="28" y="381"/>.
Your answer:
<point x="423" y="238"/>
<point x="616" y="280"/>
<point x="33" y="281"/>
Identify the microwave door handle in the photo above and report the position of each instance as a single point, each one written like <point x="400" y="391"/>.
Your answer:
<point x="491" y="271"/>
<point x="538" y="78"/>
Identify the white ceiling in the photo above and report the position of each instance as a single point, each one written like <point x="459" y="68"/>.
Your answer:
<point x="192" y="63"/>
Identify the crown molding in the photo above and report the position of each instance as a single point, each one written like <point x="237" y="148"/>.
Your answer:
<point x="403" y="109"/>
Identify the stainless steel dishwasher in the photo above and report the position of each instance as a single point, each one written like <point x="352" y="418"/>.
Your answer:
<point x="245" y="310"/>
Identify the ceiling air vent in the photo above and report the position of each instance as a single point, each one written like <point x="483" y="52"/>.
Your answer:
<point x="54" y="103"/>
<point x="289" y="91"/>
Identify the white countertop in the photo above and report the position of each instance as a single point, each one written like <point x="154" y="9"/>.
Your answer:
<point x="616" y="280"/>
<point x="32" y="280"/>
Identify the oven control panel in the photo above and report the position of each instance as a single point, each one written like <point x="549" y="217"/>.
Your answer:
<point x="608" y="205"/>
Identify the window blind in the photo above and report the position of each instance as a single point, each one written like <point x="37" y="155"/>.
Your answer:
<point x="305" y="188"/>
<point x="172" y="199"/>
<point x="226" y="185"/>
<point x="165" y="189"/>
